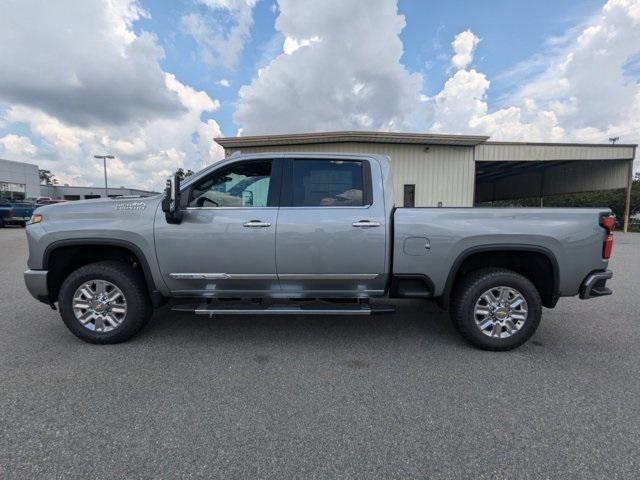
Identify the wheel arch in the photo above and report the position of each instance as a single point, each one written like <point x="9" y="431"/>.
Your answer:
<point x="108" y="247"/>
<point x="505" y="255"/>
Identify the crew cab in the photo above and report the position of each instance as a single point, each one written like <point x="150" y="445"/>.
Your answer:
<point x="309" y="234"/>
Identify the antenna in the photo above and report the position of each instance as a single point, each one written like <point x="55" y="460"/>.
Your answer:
<point x="613" y="140"/>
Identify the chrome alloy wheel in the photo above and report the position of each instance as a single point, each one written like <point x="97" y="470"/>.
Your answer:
<point x="99" y="305"/>
<point x="500" y="312"/>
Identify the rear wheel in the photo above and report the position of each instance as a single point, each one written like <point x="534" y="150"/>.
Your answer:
<point x="496" y="309"/>
<point x="104" y="302"/>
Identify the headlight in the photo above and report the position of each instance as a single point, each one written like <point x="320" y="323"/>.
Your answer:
<point x="36" y="218"/>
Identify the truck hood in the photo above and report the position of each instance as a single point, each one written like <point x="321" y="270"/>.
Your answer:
<point x="99" y="208"/>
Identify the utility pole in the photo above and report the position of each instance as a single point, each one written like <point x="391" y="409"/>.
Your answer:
<point x="104" y="160"/>
<point x="627" y="199"/>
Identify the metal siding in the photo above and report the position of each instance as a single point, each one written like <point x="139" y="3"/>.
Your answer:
<point x="441" y="174"/>
<point x="524" y="152"/>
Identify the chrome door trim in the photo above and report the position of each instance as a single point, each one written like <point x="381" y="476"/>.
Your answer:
<point x="365" y="224"/>
<point x="354" y="207"/>
<point x="327" y="276"/>
<point x="256" y="224"/>
<point x="223" y="276"/>
<point x="268" y="276"/>
<point x="227" y="208"/>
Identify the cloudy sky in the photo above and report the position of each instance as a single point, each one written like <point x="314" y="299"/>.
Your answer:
<point x="154" y="82"/>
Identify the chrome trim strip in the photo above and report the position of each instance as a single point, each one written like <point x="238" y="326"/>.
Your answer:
<point x="283" y="311"/>
<point x="227" y="208"/>
<point x="327" y="276"/>
<point x="269" y="276"/>
<point x="354" y="207"/>
<point x="223" y="276"/>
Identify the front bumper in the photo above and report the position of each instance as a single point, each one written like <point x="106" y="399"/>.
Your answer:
<point x="36" y="282"/>
<point x="16" y="220"/>
<point x="594" y="285"/>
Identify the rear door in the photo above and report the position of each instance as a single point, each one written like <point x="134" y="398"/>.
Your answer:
<point x="330" y="240"/>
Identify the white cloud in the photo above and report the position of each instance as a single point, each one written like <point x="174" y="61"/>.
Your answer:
<point x="224" y="83"/>
<point x="464" y="45"/>
<point x="350" y="78"/>
<point x="222" y="32"/>
<point x="291" y="44"/>
<point x="18" y="147"/>
<point x="103" y="92"/>
<point x="82" y="62"/>
<point x="582" y="93"/>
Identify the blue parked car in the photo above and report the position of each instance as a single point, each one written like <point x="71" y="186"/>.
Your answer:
<point x="15" y="213"/>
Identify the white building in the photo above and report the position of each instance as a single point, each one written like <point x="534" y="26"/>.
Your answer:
<point x="20" y="180"/>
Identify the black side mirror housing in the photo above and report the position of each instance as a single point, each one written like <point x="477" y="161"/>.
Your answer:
<point x="171" y="200"/>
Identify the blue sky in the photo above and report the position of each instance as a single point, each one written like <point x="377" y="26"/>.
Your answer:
<point x="154" y="82"/>
<point x="431" y="26"/>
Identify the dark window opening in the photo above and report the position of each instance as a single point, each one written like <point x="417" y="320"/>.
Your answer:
<point x="409" y="196"/>
<point x="328" y="183"/>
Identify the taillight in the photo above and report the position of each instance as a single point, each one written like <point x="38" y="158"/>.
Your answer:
<point x="609" y="224"/>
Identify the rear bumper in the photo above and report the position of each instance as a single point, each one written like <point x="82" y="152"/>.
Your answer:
<point x="595" y="285"/>
<point x="36" y="282"/>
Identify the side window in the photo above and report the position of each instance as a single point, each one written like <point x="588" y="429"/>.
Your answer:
<point x="328" y="183"/>
<point x="244" y="184"/>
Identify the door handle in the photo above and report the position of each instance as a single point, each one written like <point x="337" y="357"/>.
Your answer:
<point x="257" y="223"/>
<point x="365" y="224"/>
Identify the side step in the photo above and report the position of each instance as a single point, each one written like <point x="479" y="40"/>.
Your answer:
<point x="257" y="309"/>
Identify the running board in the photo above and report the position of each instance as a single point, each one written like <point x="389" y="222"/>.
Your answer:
<point x="239" y="309"/>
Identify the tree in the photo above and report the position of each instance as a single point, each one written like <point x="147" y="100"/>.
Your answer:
<point x="46" y="177"/>
<point x="182" y="174"/>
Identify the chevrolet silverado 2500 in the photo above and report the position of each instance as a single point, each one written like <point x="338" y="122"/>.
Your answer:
<point x="303" y="233"/>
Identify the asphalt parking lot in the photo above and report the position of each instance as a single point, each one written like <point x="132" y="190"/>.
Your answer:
<point x="396" y="396"/>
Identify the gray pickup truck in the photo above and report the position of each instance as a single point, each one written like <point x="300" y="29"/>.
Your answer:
<point x="300" y="234"/>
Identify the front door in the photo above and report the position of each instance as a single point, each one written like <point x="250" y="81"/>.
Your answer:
<point x="331" y="237"/>
<point x="225" y="244"/>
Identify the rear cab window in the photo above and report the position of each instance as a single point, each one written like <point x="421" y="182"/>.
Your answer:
<point x="328" y="183"/>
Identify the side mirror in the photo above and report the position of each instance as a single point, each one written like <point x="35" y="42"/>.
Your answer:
<point x="171" y="200"/>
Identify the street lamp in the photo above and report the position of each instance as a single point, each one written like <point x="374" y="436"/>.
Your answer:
<point x="104" y="159"/>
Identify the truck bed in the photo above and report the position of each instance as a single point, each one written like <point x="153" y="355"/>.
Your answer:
<point x="429" y="241"/>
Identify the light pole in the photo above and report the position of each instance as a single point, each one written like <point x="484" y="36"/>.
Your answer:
<point x="104" y="159"/>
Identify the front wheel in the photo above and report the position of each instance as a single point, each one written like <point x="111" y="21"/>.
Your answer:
<point x="496" y="309"/>
<point x="104" y="302"/>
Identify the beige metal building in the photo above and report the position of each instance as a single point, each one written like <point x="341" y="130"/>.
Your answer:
<point x="432" y="170"/>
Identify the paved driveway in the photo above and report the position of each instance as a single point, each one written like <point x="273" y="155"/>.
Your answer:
<point x="382" y="397"/>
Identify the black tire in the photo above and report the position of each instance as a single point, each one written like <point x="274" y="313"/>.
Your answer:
<point x="469" y="290"/>
<point x="23" y="225"/>
<point x="1" y="223"/>
<point x="123" y="276"/>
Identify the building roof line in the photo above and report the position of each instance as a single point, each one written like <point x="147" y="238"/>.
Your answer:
<point x="352" y="136"/>
<point x="562" y="144"/>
